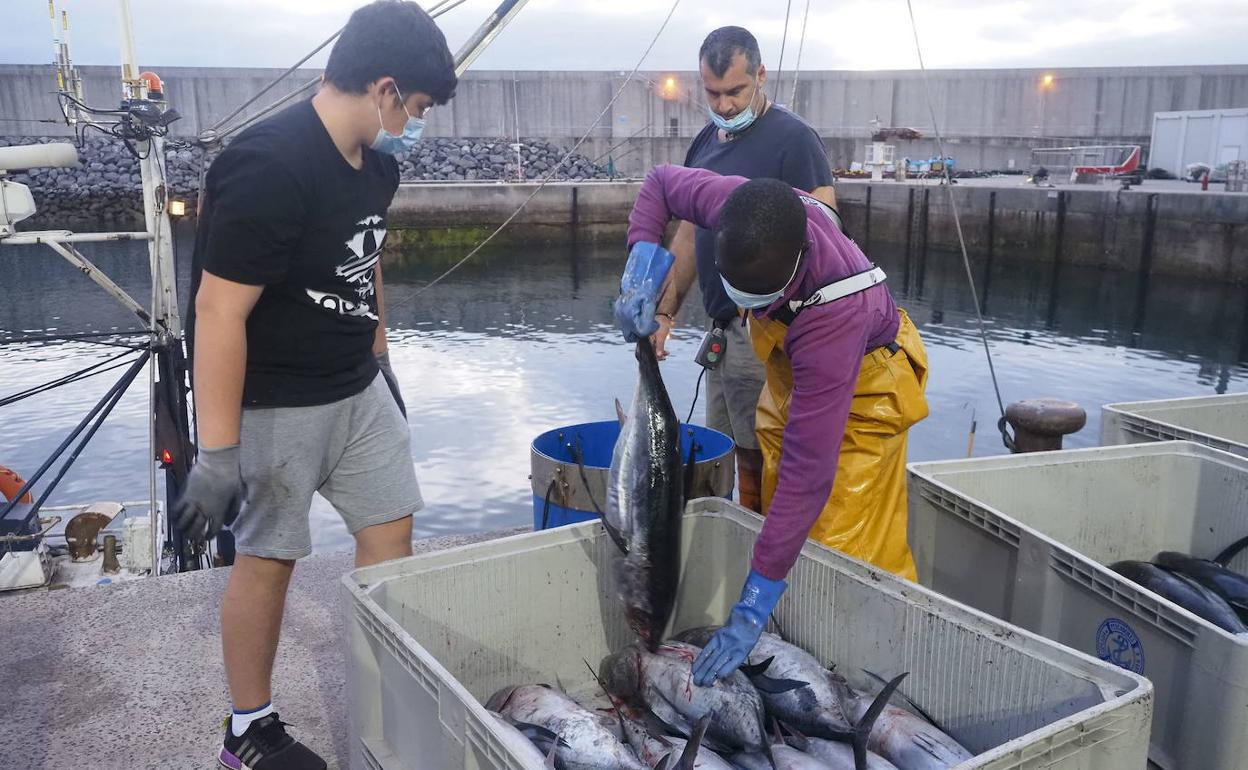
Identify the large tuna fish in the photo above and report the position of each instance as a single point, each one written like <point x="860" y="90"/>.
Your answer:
<point x="1231" y="586"/>
<point x="814" y="709"/>
<point x="1183" y="591"/>
<point x="662" y="681"/>
<point x="645" y="500"/>
<point x="584" y="742"/>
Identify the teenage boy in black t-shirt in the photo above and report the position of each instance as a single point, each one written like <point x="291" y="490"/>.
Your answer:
<point x="293" y="392"/>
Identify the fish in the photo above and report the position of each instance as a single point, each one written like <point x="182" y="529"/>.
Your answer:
<point x="1183" y="591"/>
<point x="662" y="682"/>
<point x="1231" y="586"/>
<point x="645" y="502"/>
<point x="585" y="742"/>
<point x="828" y="708"/>
<point x="813" y="709"/>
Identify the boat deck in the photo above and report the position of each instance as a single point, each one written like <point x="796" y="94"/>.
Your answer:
<point x="129" y="675"/>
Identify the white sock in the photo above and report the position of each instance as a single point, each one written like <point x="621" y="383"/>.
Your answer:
<point x="241" y="720"/>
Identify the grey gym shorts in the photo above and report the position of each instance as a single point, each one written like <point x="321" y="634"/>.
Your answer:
<point x="356" y="452"/>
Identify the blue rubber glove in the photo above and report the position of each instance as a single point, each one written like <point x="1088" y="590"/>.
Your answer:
<point x="732" y="644"/>
<point x="643" y="277"/>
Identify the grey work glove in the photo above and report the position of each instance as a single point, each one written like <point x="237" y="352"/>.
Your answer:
<point x="383" y="361"/>
<point x="214" y="490"/>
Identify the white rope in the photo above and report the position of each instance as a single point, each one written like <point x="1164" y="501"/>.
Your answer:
<point x="957" y="221"/>
<point x="800" y="45"/>
<point x="783" y="39"/>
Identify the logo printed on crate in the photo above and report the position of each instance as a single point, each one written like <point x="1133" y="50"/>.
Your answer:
<point x="1117" y="643"/>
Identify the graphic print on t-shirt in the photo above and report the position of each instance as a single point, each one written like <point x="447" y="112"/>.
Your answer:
<point x="358" y="269"/>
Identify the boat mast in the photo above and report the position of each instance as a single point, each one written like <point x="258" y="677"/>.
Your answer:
<point x="168" y="432"/>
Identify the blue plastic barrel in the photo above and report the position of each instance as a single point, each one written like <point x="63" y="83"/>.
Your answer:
<point x="563" y="495"/>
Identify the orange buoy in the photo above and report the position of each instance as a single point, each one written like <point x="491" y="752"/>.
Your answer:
<point x="11" y="484"/>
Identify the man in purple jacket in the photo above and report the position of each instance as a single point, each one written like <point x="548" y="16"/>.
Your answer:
<point x="831" y="338"/>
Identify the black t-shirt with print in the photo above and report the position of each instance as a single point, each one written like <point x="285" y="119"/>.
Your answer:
<point x="283" y="209"/>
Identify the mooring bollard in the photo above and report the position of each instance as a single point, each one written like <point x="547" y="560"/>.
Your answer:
<point x="111" y="565"/>
<point x="1040" y="423"/>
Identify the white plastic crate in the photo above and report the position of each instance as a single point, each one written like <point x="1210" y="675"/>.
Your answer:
<point x="1217" y="421"/>
<point x="1026" y="538"/>
<point x="433" y="636"/>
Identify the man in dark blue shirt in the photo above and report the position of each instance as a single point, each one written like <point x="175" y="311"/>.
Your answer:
<point x="750" y="136"/>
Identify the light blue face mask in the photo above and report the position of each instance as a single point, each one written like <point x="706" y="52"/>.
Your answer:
<point x="755" y="301"/>
<point x="739" y="122"/>
<point x="398" y="144"/>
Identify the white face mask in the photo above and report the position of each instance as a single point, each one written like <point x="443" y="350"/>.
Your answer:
<point x="755" y="301"/>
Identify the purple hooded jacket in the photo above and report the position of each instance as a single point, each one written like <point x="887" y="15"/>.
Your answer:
<point x="825" y="345"/>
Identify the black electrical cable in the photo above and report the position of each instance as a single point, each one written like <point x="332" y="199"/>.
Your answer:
<point x="696" y="389"/>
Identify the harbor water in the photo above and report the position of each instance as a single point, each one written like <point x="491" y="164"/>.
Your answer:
<point x="521" y="340"/>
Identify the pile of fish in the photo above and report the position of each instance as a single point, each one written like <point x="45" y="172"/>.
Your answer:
<point x="1203" y="587"/>
<point x="782" y="711"/>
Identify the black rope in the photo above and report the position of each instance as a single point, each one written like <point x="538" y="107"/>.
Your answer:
<point x="957" y="223"/>
<point x="579" y="456"/>
<point x="113" y="395"/>
<point x="81" y="374"/>
<point x="550" y="490"/>
<point x="696" y="389"/>
<point x="89" y="337"/>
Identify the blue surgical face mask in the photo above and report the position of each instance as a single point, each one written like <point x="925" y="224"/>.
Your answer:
<point x="398" y="144"/>
<point x="755" y="301"/>
<point x="739" y="122"/>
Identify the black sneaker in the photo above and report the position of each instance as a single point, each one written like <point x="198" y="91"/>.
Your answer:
<point x="266" y="746"/>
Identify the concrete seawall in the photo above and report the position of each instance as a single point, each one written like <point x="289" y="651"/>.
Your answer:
<point x="463" y="214"/>
<point x="1167" y="229"/>
<point x="1171" y="229"/>
<point x="990" y="118"/>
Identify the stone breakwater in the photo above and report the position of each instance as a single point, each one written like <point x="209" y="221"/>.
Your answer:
<point x="105" y="190"/>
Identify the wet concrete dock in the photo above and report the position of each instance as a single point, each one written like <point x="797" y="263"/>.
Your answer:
<point x="130" y="676"/>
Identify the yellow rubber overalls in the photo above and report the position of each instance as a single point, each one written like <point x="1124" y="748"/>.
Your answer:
<point x="865" y="516"/>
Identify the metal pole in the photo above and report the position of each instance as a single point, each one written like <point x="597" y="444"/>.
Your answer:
<point x="57" y="49"/>
<point x="152" y="512"/>
<point x="515" y="111"/>
<point x="129" y="69"/>
<point x="486" y="33"/>
<point x="76" y="258"/>
<point x="166" y="320"/>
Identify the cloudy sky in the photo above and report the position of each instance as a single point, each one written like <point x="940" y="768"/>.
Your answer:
<point x="604" y="34"/>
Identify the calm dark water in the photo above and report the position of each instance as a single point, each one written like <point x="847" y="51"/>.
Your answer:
<point x="520" y="341"/>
